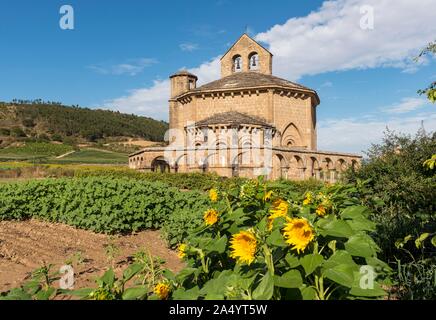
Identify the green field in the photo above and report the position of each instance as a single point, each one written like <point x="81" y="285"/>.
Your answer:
<point x="42" y="152"/>
<point x="94" y="156"/>
<point x="34" y="151"/>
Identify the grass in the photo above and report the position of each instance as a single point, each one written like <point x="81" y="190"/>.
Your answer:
<point x="94" y="156"/>
<point x="44" y="152"/>
<point x="33" y="151"/>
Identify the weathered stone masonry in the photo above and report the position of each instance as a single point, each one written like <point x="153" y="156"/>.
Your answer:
<point x="247" y="123"/>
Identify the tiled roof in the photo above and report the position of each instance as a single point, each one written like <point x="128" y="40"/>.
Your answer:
<point x="232" y="118"/>
<point x="249" y="80"/>
<point x="183" y="73"/>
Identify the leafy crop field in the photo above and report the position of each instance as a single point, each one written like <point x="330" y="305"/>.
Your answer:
<point x="94" y="156"/>
<point x="371" y="236"/>
<point x="33" y="151"/>
<point x="42" y="152"/>
<point x="103" y="204"/>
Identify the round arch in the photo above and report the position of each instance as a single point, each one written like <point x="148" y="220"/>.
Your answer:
<point x="160" y="164"/>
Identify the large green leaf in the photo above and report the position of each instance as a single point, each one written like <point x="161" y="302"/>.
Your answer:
<point x="182" y="294"/>
<point x="291" y="279"/>
<point x="265" y="289"/>
<point x="360" y="245"/>
<point x="355" y="212"/>
<point x="219" y="245"/>
<point x="292" y="260"/>
<point x="134" y="293"/>
<point x="341" y="274"/>
<point x="310" y="262"/>
<point x="362" y="225"/>
<point x="131" y="271"/>
<point x="308" y="293"/>
<point x="108" y="278"/>
<point x="364" y="289"/>
<point x="276" y="239"/>
<point x="337" y="228"/>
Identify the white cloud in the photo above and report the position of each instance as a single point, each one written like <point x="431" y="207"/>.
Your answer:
<point x="357" y="134"/>
<point x="153" y="101"/>
<point x="406" y="105"/>
<point x="330" y="39"/>
<point x="327" y="84"/>
<point x="131" y="67"/>
<point x="188" y="46"/>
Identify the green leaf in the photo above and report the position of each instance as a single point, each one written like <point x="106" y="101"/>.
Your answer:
<point x="332" y="245"/>
<point x="341" y="274"/>
<point x="337" y="228"/>
<point x="276" y="239"/>
<point x="308" y="293"/>
<point x="83" y="293"/>
<point x="377" y="291"/>
<point x="134" y="293"/>
<point x="45" y="294"/>
<point x="310" y="262"/>
<point x="182" y="294"/>
<point x="361" y="245"/>
<point x="421" y="239"/>
<point x="131" y="271"/>
<point x="218" y="246"/>
<point x="362" y="225"/>
<point x="291" y="279"/>
<point x="265" y="289"/>
<point x="400" y="243"/>
<point x="292" y="260"/>
<point x="185" y="273"/>
<point x="355" y="212"/>
<point x="433" y="241"/>
<point x="108" y="278"/>
<point x="365" y="289"/>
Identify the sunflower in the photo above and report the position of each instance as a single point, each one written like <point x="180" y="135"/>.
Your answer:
<point x="162" y="290"/>
<point x="182" y="250"/>
<point x="279" y="207"/>
<point x="213" y="195"/>
<point x="308" y="199"/>
<point x="243" y="245"/>
<point x="267" y="196"/>
<point x="274" y="216"/>
<point x="299" y="233"/>
<point x="321" y="210"/>
<point x="211" y="217"/>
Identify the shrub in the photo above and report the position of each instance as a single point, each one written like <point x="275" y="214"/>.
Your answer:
<point x="396" y="175"/>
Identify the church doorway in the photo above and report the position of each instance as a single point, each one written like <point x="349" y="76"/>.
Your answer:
<point x="160" y="165"/>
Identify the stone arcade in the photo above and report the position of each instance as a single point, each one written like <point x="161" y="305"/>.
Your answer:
<point x="248" y="123"/>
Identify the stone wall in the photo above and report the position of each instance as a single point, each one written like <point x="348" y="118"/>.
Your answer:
<point x="244" y="47"/>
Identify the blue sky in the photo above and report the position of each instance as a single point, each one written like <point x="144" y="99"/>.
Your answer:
<point x="120" y="54"/>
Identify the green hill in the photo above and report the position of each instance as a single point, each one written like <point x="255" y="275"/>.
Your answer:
<point x="52" y="121"/>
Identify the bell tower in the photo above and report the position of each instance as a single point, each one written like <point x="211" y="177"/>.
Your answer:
<point x="182" y="82"/>
<point x="246" y="55"/>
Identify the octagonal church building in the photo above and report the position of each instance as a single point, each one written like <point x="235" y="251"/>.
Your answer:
<point x="247" y="123"/>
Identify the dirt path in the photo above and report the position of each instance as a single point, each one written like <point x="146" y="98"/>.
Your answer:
<point x="25" y="246"/>
<point x="65" y="154"/>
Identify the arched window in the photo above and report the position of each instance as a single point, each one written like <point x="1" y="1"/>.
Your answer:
<point x="237" y="64"/>
<point x="254" y="61"/>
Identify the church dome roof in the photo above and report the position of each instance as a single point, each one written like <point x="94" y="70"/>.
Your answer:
<point x="240" y="80"/>
<point x="232" y="118"/>
<point x="183" y="73"/>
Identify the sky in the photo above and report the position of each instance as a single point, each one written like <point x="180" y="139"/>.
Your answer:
<point x="357" y="54"/>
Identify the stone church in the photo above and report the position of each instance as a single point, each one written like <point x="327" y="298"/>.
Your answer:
<point x="247" y="123"/>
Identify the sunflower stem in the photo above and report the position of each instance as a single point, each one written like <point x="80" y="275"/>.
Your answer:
<point x="268" y="259"/>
